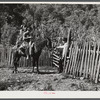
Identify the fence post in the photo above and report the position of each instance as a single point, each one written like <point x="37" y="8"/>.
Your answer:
<point x="68" y="45"/>
<point x="93" y="62"/>
<point x="78" y="62"/>
<point x="86" y="57"/>
<point x="71" y="59"/>
<point x="98" y="70"/>
<point x="88" y="60"/>
<point x="96" y="61"/>
<point x="75" y="59"/>
<point x="67" y="65"/>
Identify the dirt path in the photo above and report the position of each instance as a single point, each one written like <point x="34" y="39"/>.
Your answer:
<point x="27" y="81"/>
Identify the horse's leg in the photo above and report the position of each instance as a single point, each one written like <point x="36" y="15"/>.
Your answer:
<point x="15" y="65"/>
<point x="15" y="62"/>
<point x="33" y="64"/>
<point x="37" y="66"/>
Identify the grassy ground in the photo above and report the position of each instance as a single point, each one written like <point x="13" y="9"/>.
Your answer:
<point x="48" y="80"/>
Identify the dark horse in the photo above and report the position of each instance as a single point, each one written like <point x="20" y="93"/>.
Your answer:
<point x="34" y="54"/>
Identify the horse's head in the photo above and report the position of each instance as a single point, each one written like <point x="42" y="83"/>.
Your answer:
<point x="48" y="43"/>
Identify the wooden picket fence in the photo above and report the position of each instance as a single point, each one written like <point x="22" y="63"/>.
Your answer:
<point x="4" y="56"/>
<point x="84" y="61"/>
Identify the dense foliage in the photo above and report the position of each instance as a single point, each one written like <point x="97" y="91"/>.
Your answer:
<point x="49" y="20"/>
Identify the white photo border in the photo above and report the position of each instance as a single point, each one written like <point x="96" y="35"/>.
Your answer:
<point x="41" y="94"/>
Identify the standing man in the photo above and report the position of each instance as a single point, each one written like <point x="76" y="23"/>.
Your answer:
<point x="65" y="47"/>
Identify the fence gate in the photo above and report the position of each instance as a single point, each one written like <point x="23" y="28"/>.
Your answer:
<point x="56" y="58"/>
<point x="84" y="61"/>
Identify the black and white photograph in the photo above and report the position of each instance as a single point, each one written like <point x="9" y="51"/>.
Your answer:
<point x="49" y="47"/>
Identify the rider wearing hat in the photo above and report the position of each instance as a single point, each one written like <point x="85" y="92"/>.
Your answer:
<point x="20" y="35"/>
<point x="26" y="40"/>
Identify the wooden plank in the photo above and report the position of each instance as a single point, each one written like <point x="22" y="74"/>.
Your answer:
<point x="56" y="61"/>
<point x="67" y="47"/>
<point x="85" y="64"/>
<point x="90" y="63"/>
<point x="56" y="64"/>
<point x="96" y="61"/>
<point x="83" y="55"/>
<point x="93" y="62"/>
<point x="88" y="60"/>
<point x="12" y="59"/>
<point x="71" y="61"/>
<point x="72" y="66"/>
<point x="19" y="62"/>
<point x="71" y="54"/>
<point x="75" y="59"/>
<point x="68" y="61"/>
<point x="98" y="70"/>
<point x="10" y="56"/>
<point x="79" y="61"/>
<point x="22" y="61"/>
<point x="56" y="56"/>
<point x="22" y="64"/>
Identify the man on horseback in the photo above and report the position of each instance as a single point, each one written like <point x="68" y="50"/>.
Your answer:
<point x="26" y="41"/>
